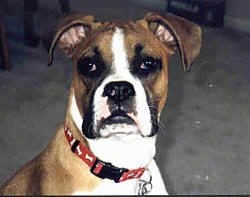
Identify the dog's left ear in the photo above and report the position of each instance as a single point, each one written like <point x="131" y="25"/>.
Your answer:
<point x="174" y="30"/>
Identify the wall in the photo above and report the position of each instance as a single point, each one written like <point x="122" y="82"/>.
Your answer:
<point x="79" y="4"/>
<point x="237" y="11"/>
<point x="238" y="15"/>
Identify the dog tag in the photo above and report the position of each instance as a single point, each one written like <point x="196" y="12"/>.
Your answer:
<point x="144" y="185"/>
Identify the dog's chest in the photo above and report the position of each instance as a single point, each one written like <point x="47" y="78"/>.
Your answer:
<point x="130" y="187"/>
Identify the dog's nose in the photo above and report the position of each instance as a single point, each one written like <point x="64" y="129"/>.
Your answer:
<point x="119" y="91"/>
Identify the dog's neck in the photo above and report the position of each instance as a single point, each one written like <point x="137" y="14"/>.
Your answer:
<point x="129" y="152"/>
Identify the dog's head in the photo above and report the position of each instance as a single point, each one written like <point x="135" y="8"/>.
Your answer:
<point x="120" y="70"/>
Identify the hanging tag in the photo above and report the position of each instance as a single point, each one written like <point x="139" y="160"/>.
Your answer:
<point x="144" y="184"/>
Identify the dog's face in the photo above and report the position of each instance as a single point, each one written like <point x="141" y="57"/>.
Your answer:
<point x="120" y="70"/>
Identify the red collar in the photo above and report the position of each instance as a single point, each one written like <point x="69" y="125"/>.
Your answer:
<point x="100" y="168"/>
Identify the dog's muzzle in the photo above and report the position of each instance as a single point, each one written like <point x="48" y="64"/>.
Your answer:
<point x="115" y="112"/>
<point x="120" y="98"/>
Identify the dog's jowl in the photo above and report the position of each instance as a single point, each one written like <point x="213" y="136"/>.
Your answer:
<point x="119" y="88"/>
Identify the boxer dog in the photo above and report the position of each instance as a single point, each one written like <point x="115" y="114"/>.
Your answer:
<point x="106" y="144"/>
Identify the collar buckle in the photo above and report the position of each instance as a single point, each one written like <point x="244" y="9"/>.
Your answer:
<point x="106" y="170"/>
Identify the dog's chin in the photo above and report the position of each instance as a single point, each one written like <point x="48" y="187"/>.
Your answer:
<point x="119" y="126"/>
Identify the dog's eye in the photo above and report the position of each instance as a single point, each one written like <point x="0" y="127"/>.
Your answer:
<point x="143" y="66"/>
<point x="90" y="66"/>
<point x="147" y="64"/>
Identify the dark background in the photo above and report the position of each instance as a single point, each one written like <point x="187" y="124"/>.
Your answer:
<point x="203" y="146"/>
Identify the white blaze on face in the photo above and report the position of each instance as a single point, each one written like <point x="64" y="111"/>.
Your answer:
<point x="120" y="61"/>
<point x="121" y="72"/>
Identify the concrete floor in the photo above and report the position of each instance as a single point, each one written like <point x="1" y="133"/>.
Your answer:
<point x="203" y="146"/>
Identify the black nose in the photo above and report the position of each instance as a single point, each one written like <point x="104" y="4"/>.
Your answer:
<point x="119" y="91"/>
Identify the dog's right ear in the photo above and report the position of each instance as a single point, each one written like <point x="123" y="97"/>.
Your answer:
<point x="70" y="32"/>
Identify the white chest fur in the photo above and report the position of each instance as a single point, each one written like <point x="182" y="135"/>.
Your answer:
<point x="129" y="187"/>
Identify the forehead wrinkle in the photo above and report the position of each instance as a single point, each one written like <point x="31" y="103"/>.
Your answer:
<point x="120" y="61"/>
